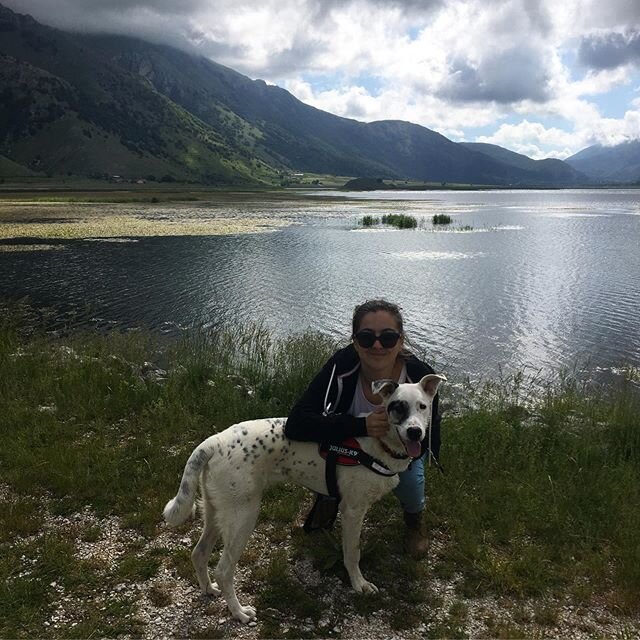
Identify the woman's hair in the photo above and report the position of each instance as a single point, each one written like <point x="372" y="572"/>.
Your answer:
<point x="371" y="306"/>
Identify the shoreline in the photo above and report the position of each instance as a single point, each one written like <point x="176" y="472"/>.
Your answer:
<point x="96" y="192"/>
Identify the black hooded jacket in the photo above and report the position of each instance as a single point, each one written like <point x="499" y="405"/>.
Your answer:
<point x="320" y="415"/>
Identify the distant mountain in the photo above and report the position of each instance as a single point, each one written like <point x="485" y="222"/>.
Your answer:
<point x="93" y="105"/>
<point x="548" y="171"/>
<point x="619" y="163"/>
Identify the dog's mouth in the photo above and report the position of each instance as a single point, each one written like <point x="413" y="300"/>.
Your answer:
<point x="412" y="448"/>
<point x="412" y="442"/>
<point x="410" y="438"/>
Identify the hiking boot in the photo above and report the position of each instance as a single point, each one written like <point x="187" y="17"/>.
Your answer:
<point x="416" y="543"/>
<point x="322" y="515"/>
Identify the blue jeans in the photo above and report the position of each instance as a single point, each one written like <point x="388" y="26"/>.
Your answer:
<point x="410" y="491"/>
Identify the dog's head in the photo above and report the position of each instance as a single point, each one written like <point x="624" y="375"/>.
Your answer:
<point x="409" y="407"/>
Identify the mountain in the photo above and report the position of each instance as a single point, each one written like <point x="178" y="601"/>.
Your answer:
<point x="547" y="172"/>
<point x="65" y="108"/>
<point x="619" y="163"/>
<point x="300" y="137"/>
<point x="97" y="104"/>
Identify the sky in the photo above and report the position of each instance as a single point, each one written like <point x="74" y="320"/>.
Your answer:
<point x="546" y="78"/>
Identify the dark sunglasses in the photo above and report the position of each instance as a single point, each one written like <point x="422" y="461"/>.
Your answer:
<point x="387" y="339"/>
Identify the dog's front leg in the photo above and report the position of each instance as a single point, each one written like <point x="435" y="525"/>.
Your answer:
<point x="352" y="518"/>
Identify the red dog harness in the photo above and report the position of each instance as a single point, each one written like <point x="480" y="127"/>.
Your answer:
<point x="348" y="453"/>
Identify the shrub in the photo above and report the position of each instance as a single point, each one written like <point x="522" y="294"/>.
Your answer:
<point x="441" y="218"/>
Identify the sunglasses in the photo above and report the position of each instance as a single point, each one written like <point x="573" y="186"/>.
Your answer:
<point x="387" y="339"/>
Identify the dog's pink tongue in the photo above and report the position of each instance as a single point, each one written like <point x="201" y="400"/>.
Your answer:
<point x="413" y="448"/>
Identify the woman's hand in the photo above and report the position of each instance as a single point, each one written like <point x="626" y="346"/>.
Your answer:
<point x="377" y="423"/>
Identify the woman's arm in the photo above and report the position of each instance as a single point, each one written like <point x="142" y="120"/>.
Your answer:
<point x="307" y="421"/>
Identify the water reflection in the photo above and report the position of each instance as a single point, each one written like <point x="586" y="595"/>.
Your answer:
<point x="543" y="279"/>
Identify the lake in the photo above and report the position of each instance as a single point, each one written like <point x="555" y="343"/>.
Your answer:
<point x="534" y="280"/>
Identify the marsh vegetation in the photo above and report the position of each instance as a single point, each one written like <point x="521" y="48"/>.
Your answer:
<point x="441" y="218"/>
<point x="398" y="220"/>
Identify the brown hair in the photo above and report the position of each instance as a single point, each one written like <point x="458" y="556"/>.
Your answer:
<point x="371" y="306"/>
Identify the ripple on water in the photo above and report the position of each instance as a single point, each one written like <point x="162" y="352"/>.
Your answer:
<point x="433" y="255"/>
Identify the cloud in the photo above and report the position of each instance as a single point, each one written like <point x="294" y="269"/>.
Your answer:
<point x="537" y="141"/>
<point x="507" y="76"/>
<point x="612" y="15"/>
<point x="609" y="50"/>
<point x="533" y="139"/>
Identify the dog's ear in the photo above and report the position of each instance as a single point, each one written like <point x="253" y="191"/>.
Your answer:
<point x="383" y="388"/>
<point x="431" y="382"/>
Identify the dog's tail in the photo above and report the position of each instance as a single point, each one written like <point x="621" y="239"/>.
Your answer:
<point x="179" y="508"/>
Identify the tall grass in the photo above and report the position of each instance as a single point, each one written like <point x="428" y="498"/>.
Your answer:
<point x="540" y="494"/>
<point x="441" y="218"/>
<point x="542" y="491"/>
<point x="400" y="220"/>
<point x="369" y="221"/>
<point x="86" y="419"/>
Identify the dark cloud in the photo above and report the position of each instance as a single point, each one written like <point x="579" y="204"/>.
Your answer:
<point x="65" y="11"/>
<point x="412" y="7"/>
<point x="507" y="77"/>
<point x="160" y="21"/>
<point x="176" y="22"/>
<point x="81" y="14"/>
<point x="300" y="55"/>
<point x="609" y="50"/>
<point x="614" y="15"/>
<point x="538" y="13"/>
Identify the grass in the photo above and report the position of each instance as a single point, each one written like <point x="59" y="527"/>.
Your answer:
<point x="550" y="490"/>
<point x="403" y="221"/>
<point x="539" y="499"/>
<point x="400" y="220"/>
<point x="441" y="218"/>
<point x="370" y="221"/>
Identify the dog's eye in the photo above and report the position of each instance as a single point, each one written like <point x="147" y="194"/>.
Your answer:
<point x="422" y="406"/>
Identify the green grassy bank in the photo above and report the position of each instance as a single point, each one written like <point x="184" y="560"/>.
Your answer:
<point x="539" y="500"/>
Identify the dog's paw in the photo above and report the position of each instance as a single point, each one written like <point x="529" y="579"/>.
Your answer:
<point x="244" y="614"/>
<point x="212" y="589"/>
<point x="365" y="587"/>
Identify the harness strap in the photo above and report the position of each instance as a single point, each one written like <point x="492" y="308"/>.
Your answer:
<point x="335" y="452"/>
<point x="331" y="475"/>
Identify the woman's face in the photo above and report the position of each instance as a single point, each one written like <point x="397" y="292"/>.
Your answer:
<point x="377" y="356"/>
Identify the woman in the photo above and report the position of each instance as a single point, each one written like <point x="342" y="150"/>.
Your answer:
<point x="339" y="403"/>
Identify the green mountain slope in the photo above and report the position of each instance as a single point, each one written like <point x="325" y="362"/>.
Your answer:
<point x="13" y="169"/>
<point x="291" y="134"/>
<point x="264" y="121"/>
<point x="288" y="133"/>
<point x="66" y="108"/>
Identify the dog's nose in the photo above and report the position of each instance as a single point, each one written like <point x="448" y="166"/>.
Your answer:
<point x="414" y="433"/>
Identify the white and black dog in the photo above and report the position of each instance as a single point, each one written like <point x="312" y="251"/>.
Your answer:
<point x="234" y="468"/>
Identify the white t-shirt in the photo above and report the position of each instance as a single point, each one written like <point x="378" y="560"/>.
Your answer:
<point x="360" y="406"/>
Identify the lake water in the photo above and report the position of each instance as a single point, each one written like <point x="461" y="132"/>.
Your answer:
<point x="542" y="280"/>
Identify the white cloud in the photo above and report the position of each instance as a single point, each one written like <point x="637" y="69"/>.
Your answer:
<point x="537" y="141"/>
<point x="533" y="140"/>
